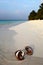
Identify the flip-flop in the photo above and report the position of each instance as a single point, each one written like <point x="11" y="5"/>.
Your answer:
<point x="19" y="54"/>
<point x="29" y="50"/>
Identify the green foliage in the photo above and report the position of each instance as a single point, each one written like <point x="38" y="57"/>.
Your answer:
<point x="41" y="7"/>
<point x="32" y="15"/>
<point x="36" y="15"/>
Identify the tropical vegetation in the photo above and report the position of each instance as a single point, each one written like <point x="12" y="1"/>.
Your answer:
<point x="36" y="15"/>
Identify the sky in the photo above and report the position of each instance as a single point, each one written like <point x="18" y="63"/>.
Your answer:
<point x="17" y="9"/>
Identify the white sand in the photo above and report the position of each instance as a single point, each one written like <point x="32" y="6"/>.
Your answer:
<point x="29" y="33"/>
<point x="17" y="37"/>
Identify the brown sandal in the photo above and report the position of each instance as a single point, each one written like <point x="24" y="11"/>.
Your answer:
<point x="29" y="50"/>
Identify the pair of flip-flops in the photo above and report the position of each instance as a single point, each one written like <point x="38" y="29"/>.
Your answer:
<point x="20" y="53"/>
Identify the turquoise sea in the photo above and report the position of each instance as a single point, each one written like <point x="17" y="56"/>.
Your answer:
<point x="4" y="22"/>
<point x="8" y="23"/>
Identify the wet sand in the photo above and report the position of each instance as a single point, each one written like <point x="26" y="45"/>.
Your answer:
<point x="17" y="37"/>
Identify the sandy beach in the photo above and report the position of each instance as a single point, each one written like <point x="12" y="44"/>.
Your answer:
<point x="17" y="37"/>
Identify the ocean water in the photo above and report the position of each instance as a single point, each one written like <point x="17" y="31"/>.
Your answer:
<point x="8" y="23"/>
<point x="4" y="22"/>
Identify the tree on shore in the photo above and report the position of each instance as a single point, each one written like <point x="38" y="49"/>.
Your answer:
<point x="32" y="15"/>
<point x="36" y="15"/>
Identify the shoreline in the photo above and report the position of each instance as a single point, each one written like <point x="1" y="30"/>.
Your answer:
<point x="8" y="25"/>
